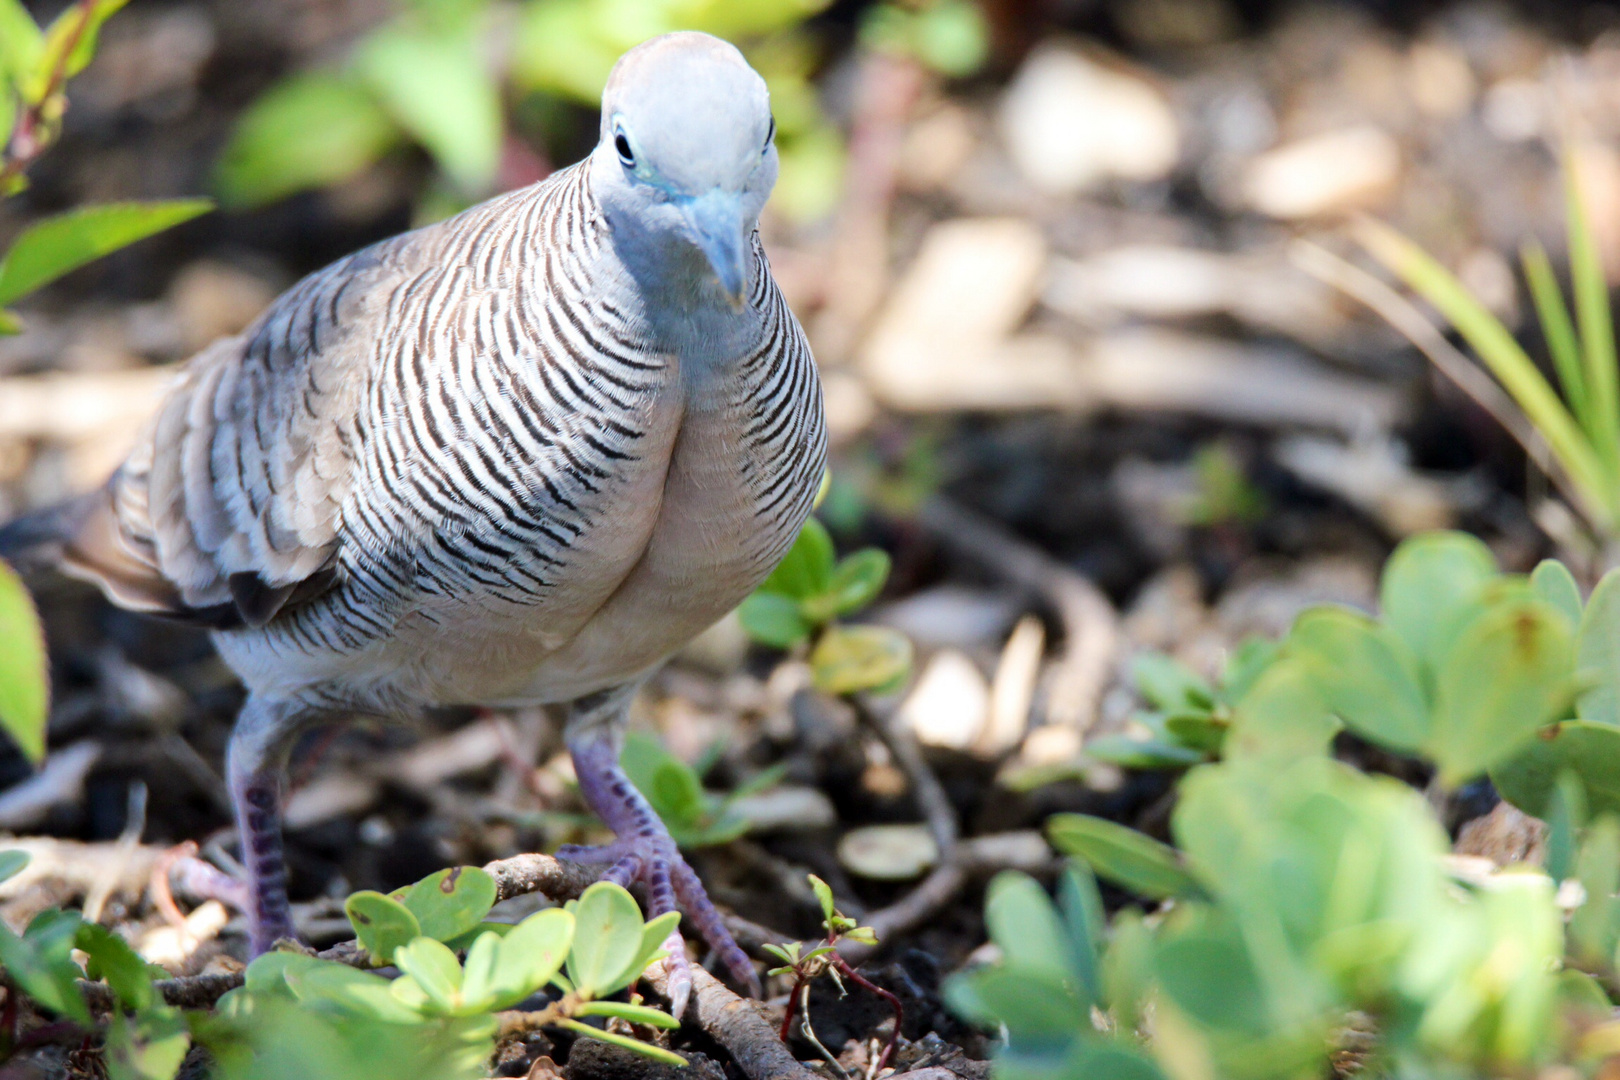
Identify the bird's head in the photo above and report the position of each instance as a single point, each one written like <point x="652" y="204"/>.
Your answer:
<point x="687" y="159"/>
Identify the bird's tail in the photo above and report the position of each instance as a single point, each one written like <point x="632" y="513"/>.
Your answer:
<point x="37" y="539"/>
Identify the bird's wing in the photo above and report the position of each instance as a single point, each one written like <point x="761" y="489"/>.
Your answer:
<point x="229" y="506"/>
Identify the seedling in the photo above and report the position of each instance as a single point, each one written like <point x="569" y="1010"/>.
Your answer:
<point x="820" y="959"/>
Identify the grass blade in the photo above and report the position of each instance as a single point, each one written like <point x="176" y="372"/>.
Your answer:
<point x="1597" y="328"/>
<point x="1500" y="353"/>
<point x="1558" y="330"/>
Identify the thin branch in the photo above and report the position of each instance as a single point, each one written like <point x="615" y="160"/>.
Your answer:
<point x="737" y="1024"/>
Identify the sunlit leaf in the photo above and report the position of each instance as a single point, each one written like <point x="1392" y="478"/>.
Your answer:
<point x="50" y="248"/>
<point x="530" y="955"/>
<point x="657" y="1053"/>
<point x="110" y="957"/>
<point x="774" y="619"/>
<point x="24" y="680"/>
<point x="435" y="85"/>
<point x="355" y="993"/>
<point x="381" y="923"/>
<point x="635" y="1014"/>
<point x="41" y="962"/>
<point x="856" y="582"/>
<point x="1591" y="752"/>
<point x="1427" y="583"/>
<point x="12" y="862"/>
<point x="1557" y="330"/>
<point x="1169" y="685"/>
<point x="433" y="968"/>
<point x="1596" y="324"/>
<point x="306" y="132"/>
<point x="607" y="940"/>
<point x="1023" y="921"/>
<point x="853" y="659"/>
<point x="450" y="902"/>
<point x="807" y="569"/>
<point x="1553" y="582"/>
<point x="20" y="43"/>
<point x="1365" y="674"/>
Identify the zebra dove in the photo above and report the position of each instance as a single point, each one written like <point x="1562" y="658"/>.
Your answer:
<point x="518" y="457"/>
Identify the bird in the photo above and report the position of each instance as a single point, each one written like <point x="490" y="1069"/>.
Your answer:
<point x="518" y="457"/>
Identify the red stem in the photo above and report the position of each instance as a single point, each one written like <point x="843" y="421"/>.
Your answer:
<point x="32" y="145"/>
<point x="894" y="1003"/>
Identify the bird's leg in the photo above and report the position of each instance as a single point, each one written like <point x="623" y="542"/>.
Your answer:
<point x="644" y="850"/>
<point x="256" y="766"/>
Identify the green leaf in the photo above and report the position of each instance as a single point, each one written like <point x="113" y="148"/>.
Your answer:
<point x="559" y="49"/>
<point x="24" y="675"/>
<point x="1130" y="753"/>
<point x="13" y="861"/>
<point x="1557" y="329"/>
<point x="1594" y="928"/>
<point x="1170" y="686"/>
<point x="657" y="1053"/>
<point x="1365" y="674"/>
<point x="350" y="992"/>
<point x="773" y="619"/>
<point x="1198" y="731"/>
<point x="824" y="896"/>
<point x="1591" y="287"/>
<point x="856" y="582"/>
<point x="381" y="923"/>
<point x="478" y="973"/>
<point x="1428" y="583"/>
<point x="531" y="955"/>
<point x="854" y="659"/>
<point x="1555" y="585"/>
<point x="48" y="249"/>
<point x="1503" y="355"/>
<point x="1023" y="921"/>
<point x="450" y="902"/>
<point x="635" y="1014"/>
<point x="1507" y="676"/>
<point x="669" y="783"/>
<point x="1248" y="662"/>
<point x="436" y="87"/>
<point x="41" y="962"/>
<point x="1122" y="855"/>
<point x="70" y="40"/>
<point x="306" y="132"/>
<point x="1087" y="925"/>
<point x="433" y="968"/>
<point x="653" y="935"/>
<point x="607" y="940"/>
<point x="1589" y="751"/>
<point x="1213" y="979"/>
<point x="111" y="958"/>
<point x="1283" y="717"/>
<point x="148" y="1046"/>
<point x="807" y="569"/>
<point x="1035" y="1007"/>
<point x="20" y="44"/>
<point x="1597" y="654"/>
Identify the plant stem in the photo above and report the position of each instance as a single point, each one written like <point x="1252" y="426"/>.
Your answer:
<point x="28" y="141"/>
<point x="894" y="1003"/>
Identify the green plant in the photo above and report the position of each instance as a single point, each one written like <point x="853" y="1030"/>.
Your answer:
<point x="298" y="1015"/>
<point x="801" y="601"/>
<point x="695" y="816"/>
<point x="1188" y="718"/>
<point x="1580" y="421"/>
<point x="35" y="65"/>
<point x="1310" y="910"/>
<point x="451" y="75"/>
<point x="806" y="965"/>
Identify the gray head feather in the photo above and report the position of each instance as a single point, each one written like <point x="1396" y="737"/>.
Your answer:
<point x="686" y="161"/>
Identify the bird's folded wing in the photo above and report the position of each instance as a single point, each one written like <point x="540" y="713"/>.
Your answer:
<point x="229" y="506"/>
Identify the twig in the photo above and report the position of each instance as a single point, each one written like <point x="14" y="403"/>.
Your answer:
<point x="736" y="1024"/>
<point x="1090" y="625"/>
<point x="557" y="879"/>
<point x="188" y="992"/>
<point x="803" y="999"/>
<point x="930" y="793"/>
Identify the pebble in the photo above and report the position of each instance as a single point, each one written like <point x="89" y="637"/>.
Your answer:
<point x="950" y="705"/>
<point x="888" y="852"/>
<point x="1071" y="122"/>
<point x="1349" y="169"/>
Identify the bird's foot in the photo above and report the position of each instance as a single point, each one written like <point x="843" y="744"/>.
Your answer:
<point x="654" y="861"/>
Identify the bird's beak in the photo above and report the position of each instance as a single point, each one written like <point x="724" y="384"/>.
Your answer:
<point x="715" y="219"/>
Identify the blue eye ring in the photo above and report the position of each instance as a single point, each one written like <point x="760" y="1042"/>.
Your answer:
<point x="621" y="143"/>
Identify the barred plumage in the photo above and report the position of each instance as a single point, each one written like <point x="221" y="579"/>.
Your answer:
<point x="520" y="456"/>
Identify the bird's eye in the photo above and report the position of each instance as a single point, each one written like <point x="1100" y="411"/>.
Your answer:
<point x="770" y="134"/>
<point x="622" y="145"/>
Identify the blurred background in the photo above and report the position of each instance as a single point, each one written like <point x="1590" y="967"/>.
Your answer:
<point x="1062" y="263"/>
